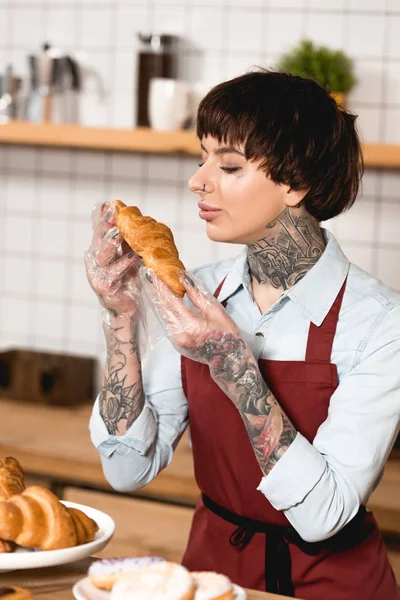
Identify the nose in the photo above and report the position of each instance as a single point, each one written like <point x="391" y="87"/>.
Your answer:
<point x="195" y="183"/>
<point x="198" y="181"/>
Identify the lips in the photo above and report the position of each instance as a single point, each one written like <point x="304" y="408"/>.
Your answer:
<point x="207" y="212"/>
<point x="203" y="206"/>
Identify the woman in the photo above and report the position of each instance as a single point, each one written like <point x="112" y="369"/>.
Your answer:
<point x="290" y="373"/>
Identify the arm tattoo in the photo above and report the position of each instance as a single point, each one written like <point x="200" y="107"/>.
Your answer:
<point x="292" y="245"/>
<point x="121" y="399"/>
<point x="233" y="368"/>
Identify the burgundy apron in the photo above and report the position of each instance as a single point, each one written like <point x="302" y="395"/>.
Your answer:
<point x="235" y="530"/>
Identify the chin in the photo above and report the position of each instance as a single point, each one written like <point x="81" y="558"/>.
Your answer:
<point x="219" y="234"/>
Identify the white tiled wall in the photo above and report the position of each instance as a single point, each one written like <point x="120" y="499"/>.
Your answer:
<point x="46" y="196"/>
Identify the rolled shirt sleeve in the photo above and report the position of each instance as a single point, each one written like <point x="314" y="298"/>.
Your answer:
<point x="320" y="486"/>
<point x="140" y="436"/>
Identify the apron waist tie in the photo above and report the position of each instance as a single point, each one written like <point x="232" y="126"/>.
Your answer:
<point x="278" y="575"/>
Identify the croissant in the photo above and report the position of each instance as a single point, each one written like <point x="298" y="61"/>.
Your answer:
<point x="11" y="482"/>
<point x="85" y="527"/>
<point x="153" y="242"/>
<point x="14" y="593"/>
<point x="11" y="478"/>
<point x="6" y="546"/>
<point x="37" y="519"/>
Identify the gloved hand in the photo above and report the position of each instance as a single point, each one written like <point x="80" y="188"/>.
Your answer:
<point x="111" y="266"/>
<point x="204" y="333"/>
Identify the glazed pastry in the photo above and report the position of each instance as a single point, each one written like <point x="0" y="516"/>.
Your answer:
<point x="14" y="593"/>
<point x="37" y="519"/>
<point x="160" y="581"/>
<point x="212" y="586"/>
<point x="11" y="482"/>
<point x="153" y="242"/>
<point x="105" y="573"/>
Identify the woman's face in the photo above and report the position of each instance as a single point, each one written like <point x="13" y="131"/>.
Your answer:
<point x="244" y="199"/>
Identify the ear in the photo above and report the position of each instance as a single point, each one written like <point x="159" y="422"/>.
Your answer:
<point x="294" y="197"/>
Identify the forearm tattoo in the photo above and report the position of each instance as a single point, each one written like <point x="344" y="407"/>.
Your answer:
<point x="292" y="245"/>
<point x="121" y="393"/>
<point x="234" y="369"/>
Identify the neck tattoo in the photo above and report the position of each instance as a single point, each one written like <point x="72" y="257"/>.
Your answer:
<point x="292" y="245"/>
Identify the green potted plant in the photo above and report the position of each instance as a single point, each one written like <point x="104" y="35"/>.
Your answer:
<point x="331" y="68"/>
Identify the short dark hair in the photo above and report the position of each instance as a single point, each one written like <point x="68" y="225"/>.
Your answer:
<point x="294" y="126"/>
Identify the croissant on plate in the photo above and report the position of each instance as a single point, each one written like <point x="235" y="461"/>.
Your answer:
<point x="11" y="478"/>
<point x="153" y="242"/>
<point x="11" y="482"/>
<point x="6" y="546"/>
<point x="37" y="519"/>
<point x="85" y="527"/>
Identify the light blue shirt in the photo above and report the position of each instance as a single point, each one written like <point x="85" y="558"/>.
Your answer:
<point x="319" y="486"/>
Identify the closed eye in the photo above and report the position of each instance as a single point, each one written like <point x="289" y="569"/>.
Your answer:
<point x="230" y="169"/>
<point x="225" y="169"/>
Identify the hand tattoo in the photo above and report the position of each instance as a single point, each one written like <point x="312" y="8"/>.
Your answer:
<point x="120" y="401"/>
<point x="292" y="245"/>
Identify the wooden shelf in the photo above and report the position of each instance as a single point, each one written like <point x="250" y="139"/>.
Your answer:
<point x="381" y="156"/>
<point x="119" y="140"/>
<point x="143" y="140"/>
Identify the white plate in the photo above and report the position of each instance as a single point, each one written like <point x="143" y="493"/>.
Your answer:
<point x="84" y="590"/>
<point x="32" y="559"/>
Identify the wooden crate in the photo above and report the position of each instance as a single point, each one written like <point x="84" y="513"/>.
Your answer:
<point x="46" y="378"/>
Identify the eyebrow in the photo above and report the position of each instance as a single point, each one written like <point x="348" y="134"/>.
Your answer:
<point x="224" y="150"/>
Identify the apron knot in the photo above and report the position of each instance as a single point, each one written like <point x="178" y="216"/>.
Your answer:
<point x="241" y="537"/>
<point x="278" y="565"/>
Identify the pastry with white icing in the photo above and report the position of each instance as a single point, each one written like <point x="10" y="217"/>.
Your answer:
<point x="159" y="581"/>
<point x="212" y="586"/>
<point x="105" y="573"/>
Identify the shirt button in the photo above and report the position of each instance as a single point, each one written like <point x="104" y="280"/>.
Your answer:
<point x="259" y="334"/>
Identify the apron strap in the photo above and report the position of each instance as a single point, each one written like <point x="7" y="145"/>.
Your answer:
<point x="320" y="339"/>
<point x="219" y="288"/>
<point x="277" y="565"/>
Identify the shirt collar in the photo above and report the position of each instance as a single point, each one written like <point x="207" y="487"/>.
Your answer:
<point x="236" y="278"/>
<point x="314" y="294"/>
